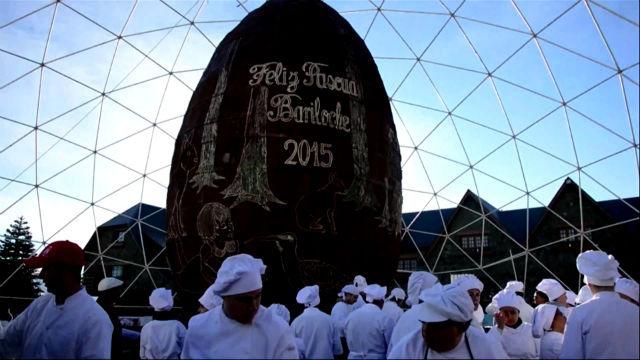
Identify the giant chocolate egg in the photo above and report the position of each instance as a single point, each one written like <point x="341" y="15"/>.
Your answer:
<point x="288" y="152"/>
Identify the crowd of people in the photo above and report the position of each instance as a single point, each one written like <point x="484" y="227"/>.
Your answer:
<point x="443" y="321"/>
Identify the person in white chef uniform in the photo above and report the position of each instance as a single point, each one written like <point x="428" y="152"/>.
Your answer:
<point x="161" y="338"/>
<point x="241" y="327"/>
<point x="606" y="326"/>
<point x="318" y="333"/>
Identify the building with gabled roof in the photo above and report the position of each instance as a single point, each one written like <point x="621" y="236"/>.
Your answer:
<point x="523" y="244"/>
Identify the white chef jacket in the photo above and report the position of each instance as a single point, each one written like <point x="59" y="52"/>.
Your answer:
<point x="162" y="339"/>
<point x="368" y="331"/>
<point x="412" y="346"/>
<point x="518" y="343"/>
<point x="550" y="345"/>
<point x="319" y="335"/>
<point x="392" y="310"/>
<point x="605" y="327"/>
<point x="79" y="328"/>
<point x="478" y="317"/>
<point x="408" y="323"/>
<point x="339" y="314"/>
<point x="213" y="335"/>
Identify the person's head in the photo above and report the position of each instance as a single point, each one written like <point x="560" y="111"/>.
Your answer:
<point x="309" y="296"/>
<point x="444" y="335"/>
<point x="161" y="300"/>
<point x="61" y="263"/>
<point x="548" y="317"/>
<point x="508" y="303"/>
<point x="239" y="283"/>
<point x="349" y="294"/>
<point x="281" y="311"/>
<point x="374" y="294"/>
<point x="599" y="269"/>
<point x="540" y="298"/>
<point x="242" y="307"/>
<point x="397" y="295"/>
<point x="418" y="282"/>
<point x="360" y="282"/>
<point x="474" y="288"/>
<point x="109" y="290"/>
<point x="515" y="286"/>
<point x="553" y="290"/>
<point x="628" y="290"/>
<point x="445" y="313"/>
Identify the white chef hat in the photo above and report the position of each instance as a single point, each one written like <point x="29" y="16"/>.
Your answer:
<point x="627" y="287"/>
<point x="210" y="300"/>
<point x="506" y="298"/>
<point x="360" y="282"/>
<point x="441" y="303"/>
<point x="598" y="268"/>
<point x="375" y="292"/>
<point x="348" y="289"/>
<point x="239" y="274"/>
<point x="419" y="281"/>
<point x="552" y="288"/>
<point x="469" y="282"/>
<point x="571" y="298"/>
<point x="515" y="286"/>
<point x="543" y="318"/>
<point x="397" y="294"/>
<point x="109" y="283"/>
<point x="583" y="295"/>
<point x="309" y="296"/>
<point x="280" y="310"/>
<point x="161" y="299"/>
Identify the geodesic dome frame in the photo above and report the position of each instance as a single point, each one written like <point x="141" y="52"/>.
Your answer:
<point x="506" y="99"/>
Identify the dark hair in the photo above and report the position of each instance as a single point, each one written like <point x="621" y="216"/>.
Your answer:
<point x="542" y="295"/>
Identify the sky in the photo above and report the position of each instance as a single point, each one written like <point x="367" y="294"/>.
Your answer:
<point x="562" y="103"/>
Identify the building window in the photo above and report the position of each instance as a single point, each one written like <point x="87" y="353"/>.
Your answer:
<point x="119" y="241"/>
<point x="116" y="271"/>
<point x="408" y="264"/>
<point x="571" y="235"/>
<point x="474" y="242"/>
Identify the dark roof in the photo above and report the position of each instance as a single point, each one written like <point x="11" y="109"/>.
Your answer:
<point x="515" y="222"/>
<point x="425" y="226"/>
<point x="152" y="221"/>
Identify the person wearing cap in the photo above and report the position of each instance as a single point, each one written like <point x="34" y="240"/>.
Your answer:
<point x="282" y="311"/>
<point x="407" y="323"/>
<point x="208" y="300"/>
<point x="474" y="287"/>
<point x="109" y="290"/>
<point x="320" y="337"/>
<point x="514" y="334"/>
<point x="65" y="322"/>
<point x="552" y="320"/>
<point x="161" y="338"/>
<point x="368" y="329"/>
<point x="342" y="309"/>
<point x="360" y="282"/>
<point x="526" y="310"/>
<point x="445" y="333"/>
<point x="584" y="295"/>
<point x="391" y="305"/>
<point x="605" y="327"/>
<point x="554" y="292"/>
<point x="241" y="327"/>
<point x="628" y="290"/>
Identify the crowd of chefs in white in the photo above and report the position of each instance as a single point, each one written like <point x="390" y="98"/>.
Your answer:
<point x="442" y="321"/>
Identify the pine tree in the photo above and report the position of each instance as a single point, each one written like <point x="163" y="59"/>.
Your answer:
<point x="14" y="248"/>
